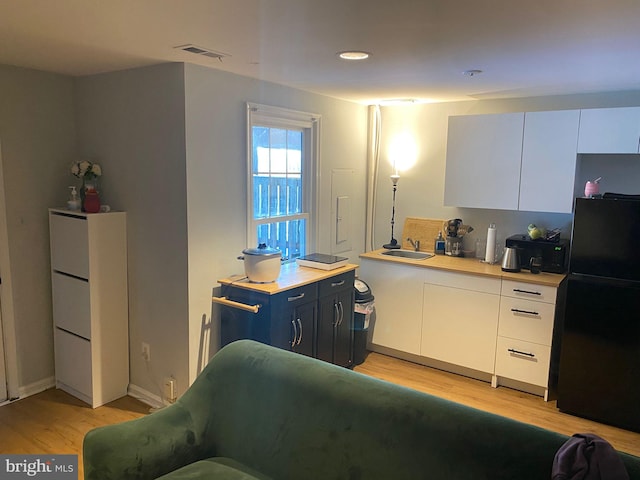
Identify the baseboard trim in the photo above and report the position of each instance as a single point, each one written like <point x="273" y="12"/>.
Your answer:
<point x="431" y="362"/>
<point x="36" y="387"/>
<point x="145" y="396"/>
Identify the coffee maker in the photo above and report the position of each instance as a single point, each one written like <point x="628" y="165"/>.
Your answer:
<point x="453" y="242"/>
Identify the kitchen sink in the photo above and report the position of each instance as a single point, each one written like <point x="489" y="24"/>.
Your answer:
<point x="407" y="254"/>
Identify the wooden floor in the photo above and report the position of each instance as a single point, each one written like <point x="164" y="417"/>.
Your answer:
<point x="502" y="401"/>
<point x="54" y="422"/>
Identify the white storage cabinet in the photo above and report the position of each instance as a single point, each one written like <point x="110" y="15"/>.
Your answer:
<point x="525" y="333"/>
<point x="90" y="304"/>
<point x="609" y="130"/>
<point x="549" y="161"/>
<point x="483" y="161"/>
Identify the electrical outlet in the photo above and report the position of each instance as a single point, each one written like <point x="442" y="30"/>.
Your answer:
<point x="146" y="351"/>
<point x="170" y="389"/>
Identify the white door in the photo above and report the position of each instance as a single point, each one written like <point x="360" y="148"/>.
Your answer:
<point x="3" y="251"/>
<point x="3" y="376"/>
<point x="7" y="351"/>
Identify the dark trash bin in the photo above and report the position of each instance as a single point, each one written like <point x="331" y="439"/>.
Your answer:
<point x="363" y="308"/>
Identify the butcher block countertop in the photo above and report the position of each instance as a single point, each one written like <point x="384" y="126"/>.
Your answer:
<point x="292" y="275"/>
<point x="471" y="266"/>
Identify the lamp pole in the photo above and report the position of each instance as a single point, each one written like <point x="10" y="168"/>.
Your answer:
<point x="393" y="243"/>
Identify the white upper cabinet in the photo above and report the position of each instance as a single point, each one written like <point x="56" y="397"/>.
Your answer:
<point x="549" y="161"/>
<point x="609" y="130"/>
<point x="483" y="161"/>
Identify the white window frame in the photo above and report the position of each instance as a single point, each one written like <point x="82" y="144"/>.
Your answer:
<point x="269" y="116"/>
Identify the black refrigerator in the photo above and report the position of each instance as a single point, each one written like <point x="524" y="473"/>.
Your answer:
<point x="599" y="374"/>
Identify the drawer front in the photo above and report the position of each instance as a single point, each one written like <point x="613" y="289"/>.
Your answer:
<point x="69" y="245"/>
<point x="526" y="320"/>
<point x="71" y="307"/>
<point x="529" y="291"/>
<point x="523" y="361"/>
<point x="329" y="286"/>
<point x="73" y="362"/>
<point x="296" y="296"/>
<point x="460" y="280"/>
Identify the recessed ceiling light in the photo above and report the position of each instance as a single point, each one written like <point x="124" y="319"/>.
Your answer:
<point x="471" y="73"/>
<point x="353" y="55"/>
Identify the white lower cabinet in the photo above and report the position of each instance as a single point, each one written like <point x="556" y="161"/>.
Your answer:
<point x="523" y="361"/>
<point x="477" y="325"/>
<point x="460" y="319"/>
<point x="90" y="304"/>
<point x="525" y="334"/>
<point x="73" y="363"/>
<point x="398" y="302"/>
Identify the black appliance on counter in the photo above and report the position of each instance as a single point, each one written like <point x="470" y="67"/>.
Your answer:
<point x="599" y="375"/>
<point x="554" y="255"/>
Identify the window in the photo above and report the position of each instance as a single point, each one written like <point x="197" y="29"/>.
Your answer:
<point x="281" y="182"/>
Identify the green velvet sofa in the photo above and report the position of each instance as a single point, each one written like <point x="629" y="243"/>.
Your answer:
<point x="260" y="412"/>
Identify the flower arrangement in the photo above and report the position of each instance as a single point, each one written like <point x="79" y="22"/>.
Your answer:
<point x="86" y="170"/>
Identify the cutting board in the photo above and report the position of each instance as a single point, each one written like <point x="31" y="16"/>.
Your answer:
<point x="423" y="229"/>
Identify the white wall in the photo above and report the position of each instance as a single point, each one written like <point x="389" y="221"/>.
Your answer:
<point x="171" y="140"/>
<point x="216" y="180"/>
<point x="38" y="145"/>
<point x="132" y="123"/>
<point x="421" y="189"/>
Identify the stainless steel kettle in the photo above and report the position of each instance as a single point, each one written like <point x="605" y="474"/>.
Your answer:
<point x="511" y="260"/>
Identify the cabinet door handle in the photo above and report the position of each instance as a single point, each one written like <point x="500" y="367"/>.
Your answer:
<point x="295" y="334"/>
<point x="518" y="290"/>
<point x="518" y="352"/>
<point x="516" y="310"/>
<point x="337" y="284"/>
<point x="300" y="336"/>
<point x="336" y="315"/>
<point x="341" y="316"/>
<point x="297" y="297"/>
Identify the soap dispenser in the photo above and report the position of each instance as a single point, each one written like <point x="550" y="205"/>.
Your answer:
<point x="74" y="202"/>
<point x="438" y="246"/>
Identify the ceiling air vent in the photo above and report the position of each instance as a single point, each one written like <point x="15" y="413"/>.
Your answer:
<point x="203" y="51"/>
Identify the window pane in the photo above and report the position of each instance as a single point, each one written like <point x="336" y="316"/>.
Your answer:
<point x="294" y="194"/>
<point x="278" y="147"/>
<point x="277" y="197"/>
<point x="260" y="196"/>
<point x="277" y="172"/>
<point x="260" y="147"/>
<point x="294" y="151"/>
<point x="288" y="236"/>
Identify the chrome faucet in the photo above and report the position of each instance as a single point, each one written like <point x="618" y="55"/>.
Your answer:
<point x="415" y="244"/>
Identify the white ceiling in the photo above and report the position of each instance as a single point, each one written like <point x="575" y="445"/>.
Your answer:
<point x="419" y="47"/>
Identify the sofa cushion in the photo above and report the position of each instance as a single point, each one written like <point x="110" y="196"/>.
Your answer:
<point x="218" y="468"/>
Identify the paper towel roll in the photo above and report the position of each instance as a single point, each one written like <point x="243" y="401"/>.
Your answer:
<point x="490" y="252"/>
